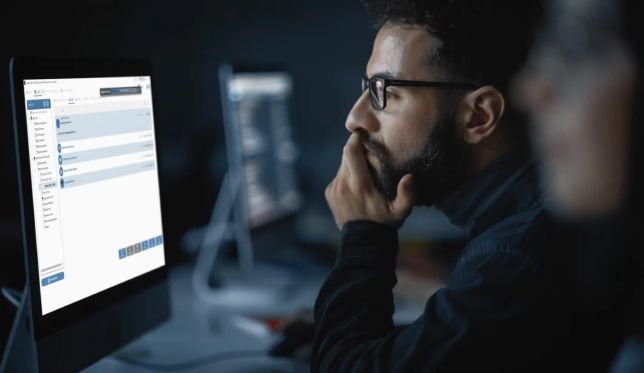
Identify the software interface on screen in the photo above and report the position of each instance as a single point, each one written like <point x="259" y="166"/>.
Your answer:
<point x="268" y="150"/>
<point x="95" y="184"/>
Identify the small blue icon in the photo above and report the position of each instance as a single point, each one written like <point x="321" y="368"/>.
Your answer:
<point x="144" y="245"/>
<point x="59" y="149"/>
<point x="57" y="123"/>
<point x="159" y="240"/>
<point x="152" y="242"/>
<point x="62" y="183"/>
<point x="60" y="171"/>
<point x="122" y="253"/>
<point x="60" y="159"/>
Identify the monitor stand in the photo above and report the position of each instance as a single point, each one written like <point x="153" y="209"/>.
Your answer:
<point x="254" y="289"/>
<point x="19" y="354"/>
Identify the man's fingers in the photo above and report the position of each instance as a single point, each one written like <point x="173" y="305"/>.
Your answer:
<point x="329" y="189"/>
<point x="353" y="157"/>
<point x="406" y="197"/>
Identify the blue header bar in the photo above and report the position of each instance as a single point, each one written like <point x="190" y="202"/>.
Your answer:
<point x="38" y="104"/>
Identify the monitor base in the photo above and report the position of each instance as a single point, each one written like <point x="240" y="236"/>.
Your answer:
<point x="266" y="291"/>
<point x="19" y="355"/>
<point x="254" y="289"/>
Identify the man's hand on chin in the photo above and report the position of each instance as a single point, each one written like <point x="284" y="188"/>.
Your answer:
<point x="353" y="196"/>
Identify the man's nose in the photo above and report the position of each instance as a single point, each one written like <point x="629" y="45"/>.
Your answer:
<point x="362" y="116"/>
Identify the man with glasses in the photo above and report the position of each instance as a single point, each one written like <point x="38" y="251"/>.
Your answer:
<point x="433" y="126"/>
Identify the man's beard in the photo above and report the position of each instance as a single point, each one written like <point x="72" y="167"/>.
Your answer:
<point x="437" y="168"/>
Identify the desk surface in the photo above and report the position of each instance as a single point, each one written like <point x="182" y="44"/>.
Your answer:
<point x="197" y="330"/>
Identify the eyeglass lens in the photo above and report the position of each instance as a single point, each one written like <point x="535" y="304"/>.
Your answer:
<point x="377" y="93"/>
<point x="376" y="89"/>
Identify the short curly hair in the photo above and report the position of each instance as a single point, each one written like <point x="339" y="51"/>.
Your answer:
<point x="484" y="42"/>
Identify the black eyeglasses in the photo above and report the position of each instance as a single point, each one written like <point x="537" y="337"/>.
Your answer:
<point x="377" y="88"/>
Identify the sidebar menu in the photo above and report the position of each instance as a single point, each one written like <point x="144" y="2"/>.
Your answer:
<point x="45" y="159"/>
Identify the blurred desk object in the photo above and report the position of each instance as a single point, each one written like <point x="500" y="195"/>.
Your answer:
<point x="419" y="277"/>
<point x="316" y="225"/>
<point x="213" y="339"/>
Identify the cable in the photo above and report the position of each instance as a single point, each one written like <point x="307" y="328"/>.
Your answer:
<point x="216" y="357"/>
<point x="13" y="298"/>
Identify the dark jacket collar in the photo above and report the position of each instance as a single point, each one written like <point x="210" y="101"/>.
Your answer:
<point x="506" y="187"/>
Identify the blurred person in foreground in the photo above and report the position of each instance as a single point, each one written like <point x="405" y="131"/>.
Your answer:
<point x="434" y="127"/>
<point x="583" y="88"/>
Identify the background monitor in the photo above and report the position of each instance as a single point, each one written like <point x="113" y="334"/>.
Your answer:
<point x="258" y="131"/>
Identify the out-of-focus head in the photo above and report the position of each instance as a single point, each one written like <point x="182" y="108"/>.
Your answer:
<point x="441" y="135"/>
<point x="579" y="88"/>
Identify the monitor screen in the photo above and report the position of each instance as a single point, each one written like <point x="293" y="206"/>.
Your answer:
<point x="95" y="184"/>
<point x="261" y="102"/>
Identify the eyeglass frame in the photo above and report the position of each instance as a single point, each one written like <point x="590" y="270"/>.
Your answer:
<point x="407" y="83"/>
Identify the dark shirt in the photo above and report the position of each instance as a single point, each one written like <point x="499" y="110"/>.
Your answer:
<point x="503" y="306"/>
<point x="630" y="358"/>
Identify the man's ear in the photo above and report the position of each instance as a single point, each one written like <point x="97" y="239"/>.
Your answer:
<point x="481" y="114"/>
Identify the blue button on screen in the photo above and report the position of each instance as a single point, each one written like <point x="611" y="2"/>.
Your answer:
<point x="53" y="278"/>
<point x="144" y="245"/>
<point x="159" y="240"/>
<point x="152" y="242"/>
<point x="122" y="253"/>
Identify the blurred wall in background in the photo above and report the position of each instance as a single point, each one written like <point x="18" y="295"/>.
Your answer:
<point x="324" y="44"/>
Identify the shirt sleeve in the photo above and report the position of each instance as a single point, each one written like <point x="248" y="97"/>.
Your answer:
<point x="480" y="319"/>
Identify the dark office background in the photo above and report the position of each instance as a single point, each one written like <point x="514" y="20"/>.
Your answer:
<point x="325" y="44"/>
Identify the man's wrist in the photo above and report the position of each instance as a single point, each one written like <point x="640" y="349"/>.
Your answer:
<point x="368" y="239"/>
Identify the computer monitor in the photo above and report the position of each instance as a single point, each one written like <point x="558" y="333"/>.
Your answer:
<point x="91" y="212"/>
<point x="257" y="108"/>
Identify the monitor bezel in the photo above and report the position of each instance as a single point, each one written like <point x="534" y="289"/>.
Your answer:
<point x="32" y="68"/>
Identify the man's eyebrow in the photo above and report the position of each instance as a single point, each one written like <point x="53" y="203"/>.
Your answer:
<point x="384" y="75"/>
